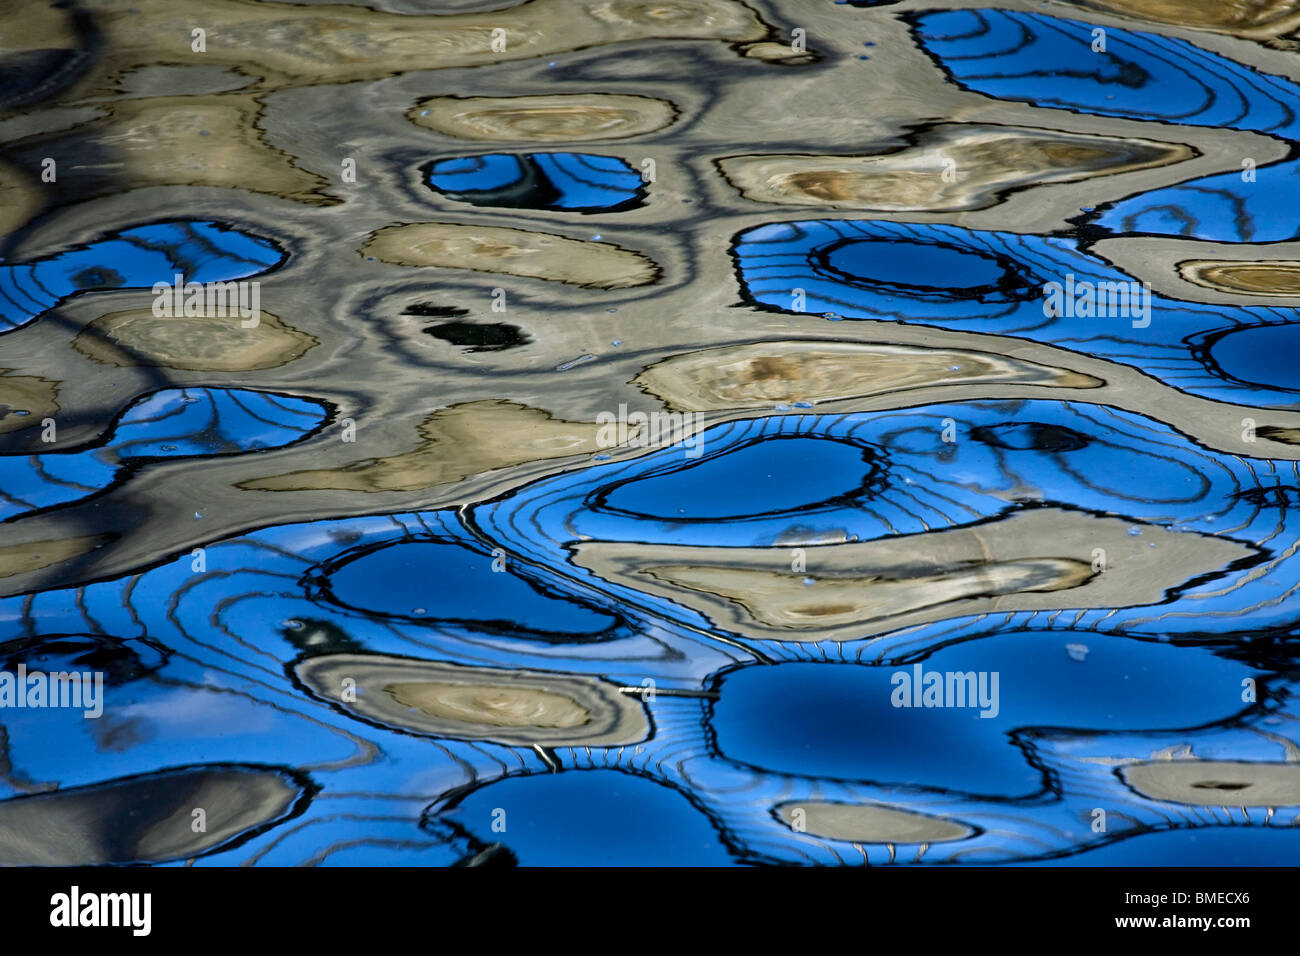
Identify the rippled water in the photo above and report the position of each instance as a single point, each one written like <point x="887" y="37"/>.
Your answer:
<point x="971" y="335"/>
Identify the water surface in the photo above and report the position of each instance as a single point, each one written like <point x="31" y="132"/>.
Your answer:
<point x="367" y="583"/>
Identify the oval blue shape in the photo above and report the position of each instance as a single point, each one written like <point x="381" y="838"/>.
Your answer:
<point x="591" y="818"/>
<point x="565" y="182"/>
<point x="841" y="721"/>
<point x="1260" y="355"/>
<point x="767" y="476"/>
<point x="449" y="582"/>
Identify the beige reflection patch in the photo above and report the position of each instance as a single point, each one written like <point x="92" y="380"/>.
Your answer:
<point x="516" y="707"/>
<point x="1041" y="559"/>
<point x="1273" y="277"/>
<point x="21" y="198"/>
<point x="780" y="600"/>
<point x="1248" y="18"/>
<point x="143" y="820"/>
<point x="1216" y="783"/>
<point x="952" y="167"/>
<point x="38" y="27"/>
<point x="25" y="393"/>
<point x="758" y="375"/>
<point x="868" y="823"/>
<point x="776" y="53"/>
<point x="490" y="706"/>
<point x="559" y="117"/>
<point x="212" y="140"/>
<point x="287" y="44"/>
<point x="21" y="558"/>
<point x="138" y="337"/>
<point x="516" y="252"/>
<point x="459" y="441"/>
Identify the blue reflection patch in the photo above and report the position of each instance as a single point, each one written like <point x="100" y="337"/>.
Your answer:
<point x="570" y="182"/>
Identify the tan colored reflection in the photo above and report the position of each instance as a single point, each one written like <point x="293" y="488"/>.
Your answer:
<point x="37" y="27"/>
<point x="1277" y="277"/>
<point x="563" y="117"/>
<point x="491" y="706"/>
<point x="775" y="53"/>
<point x="952" y="167"/>
<point x="516" y="252"/>
<point x="517" y="707"/>
<point x="147" y="820"/>
<point x="765" y="373"/>
<point x="21" y="558"/>
<point x="1043" y="559"/>
<point x="459" y="441"/>
<point x="868" y="823"/>
<point x="778" y="599"/>
<point x="25" y="393"/>
<point x="285" y="44"/>
<point x="138" y="337"/>
<point x="20" y="197"/>
<point x="1247" y="18"/>
<point x="1216" y="783"/>
<point x="212" y="140"/>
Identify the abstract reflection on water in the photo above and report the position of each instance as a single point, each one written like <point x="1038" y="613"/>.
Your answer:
<point x="941" y="342"/>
